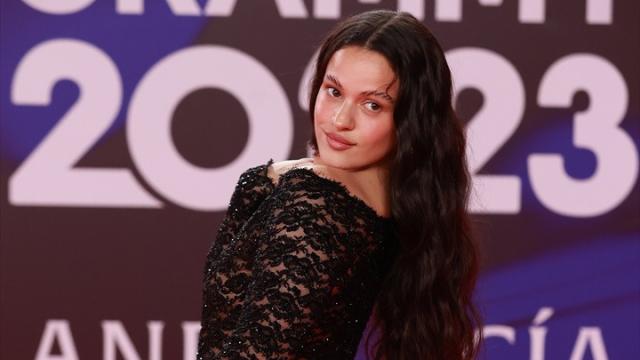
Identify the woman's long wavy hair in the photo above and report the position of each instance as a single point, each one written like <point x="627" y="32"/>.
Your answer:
<point x="425" y="308"/>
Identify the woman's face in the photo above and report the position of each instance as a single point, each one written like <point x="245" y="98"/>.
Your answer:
<point x="353" y="114"/>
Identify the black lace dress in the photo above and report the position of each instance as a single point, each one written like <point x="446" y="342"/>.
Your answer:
<point x="294" y="270"/>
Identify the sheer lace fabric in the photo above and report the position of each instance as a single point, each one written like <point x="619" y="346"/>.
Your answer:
<point x="294" y="270"/>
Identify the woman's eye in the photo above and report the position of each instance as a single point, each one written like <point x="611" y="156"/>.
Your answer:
<point x="333" y="92"/>
<point x="372" y="106"/>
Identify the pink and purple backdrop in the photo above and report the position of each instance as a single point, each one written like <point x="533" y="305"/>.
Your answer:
<point x="125" y="124"/>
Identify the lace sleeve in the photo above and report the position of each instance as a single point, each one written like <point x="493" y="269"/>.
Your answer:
<point x="294" y="301"/>
<point x="252" y="187"/>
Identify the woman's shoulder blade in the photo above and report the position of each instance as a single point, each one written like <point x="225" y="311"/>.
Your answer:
<point x="308" y="181"/>
<point x="276" y="169"/>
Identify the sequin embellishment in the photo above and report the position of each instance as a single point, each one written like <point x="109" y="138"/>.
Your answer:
<point x="294" y="270"/>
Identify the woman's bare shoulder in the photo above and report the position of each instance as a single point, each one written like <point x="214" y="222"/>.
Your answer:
<point x="280" y="167"/>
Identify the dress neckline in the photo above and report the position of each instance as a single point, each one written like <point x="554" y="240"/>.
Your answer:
<point x="335" y="183"/>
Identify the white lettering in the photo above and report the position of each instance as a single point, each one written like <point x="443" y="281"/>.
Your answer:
<point x="591" y="337"/>
<point x="185" y="7"/>
<point x="491" y="127"/>
<point x="416" y="7"/>
<point x="529" y="11"/>
<point x="49" y="176"/>
<point x="130" y="7"/>
<point x="59" y="7"/>
<point x="326" y="9"/>
<point x="60" y="330"/>
<point x="155" y="339"/>
<point x="190" y="333"/>
<point x="159" y="93"/>
<point x="294" y="9"/>
<point x="599" y="12"/>
<point x="114" y="336"/>
<point x="538" y="333"/>
<point x="178" y="7"/>
<point x="597" y="129"/>
<point x="502" y="331"/>
<point x="490" y="2"/>
<point x="532" y="11"/>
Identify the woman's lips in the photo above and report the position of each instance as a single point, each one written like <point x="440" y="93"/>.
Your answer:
<point x="337" y="142"/>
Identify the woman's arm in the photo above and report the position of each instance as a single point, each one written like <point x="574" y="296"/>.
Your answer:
<point x="292" y="307"/>
<point x="252" y="187"/>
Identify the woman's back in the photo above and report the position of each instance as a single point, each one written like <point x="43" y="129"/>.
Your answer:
<point x="295" y="268"/>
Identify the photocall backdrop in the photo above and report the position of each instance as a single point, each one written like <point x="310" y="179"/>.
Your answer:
<point x="126" y="123"/>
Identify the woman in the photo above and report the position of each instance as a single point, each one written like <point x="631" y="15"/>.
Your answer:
<point x="374" y="223"/>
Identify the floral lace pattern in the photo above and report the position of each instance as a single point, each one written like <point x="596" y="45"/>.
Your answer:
<point x="294" y="270"/>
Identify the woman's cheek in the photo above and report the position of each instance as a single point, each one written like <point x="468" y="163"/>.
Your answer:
<point x="382" y="133"/>
<point x="321" y="109"/>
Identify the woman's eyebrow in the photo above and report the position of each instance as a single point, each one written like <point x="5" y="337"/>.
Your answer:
<point x="377" y="93"/>
<point x="333" y="80"/>
<point x="381" y="94"/>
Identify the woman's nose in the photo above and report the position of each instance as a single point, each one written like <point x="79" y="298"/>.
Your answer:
<point x="342" y="119"/>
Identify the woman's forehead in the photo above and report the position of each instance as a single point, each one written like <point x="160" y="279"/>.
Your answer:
<point x="359" y="67"/>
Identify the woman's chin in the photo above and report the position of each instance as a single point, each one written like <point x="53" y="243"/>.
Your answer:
<point x="335" y="160"/>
